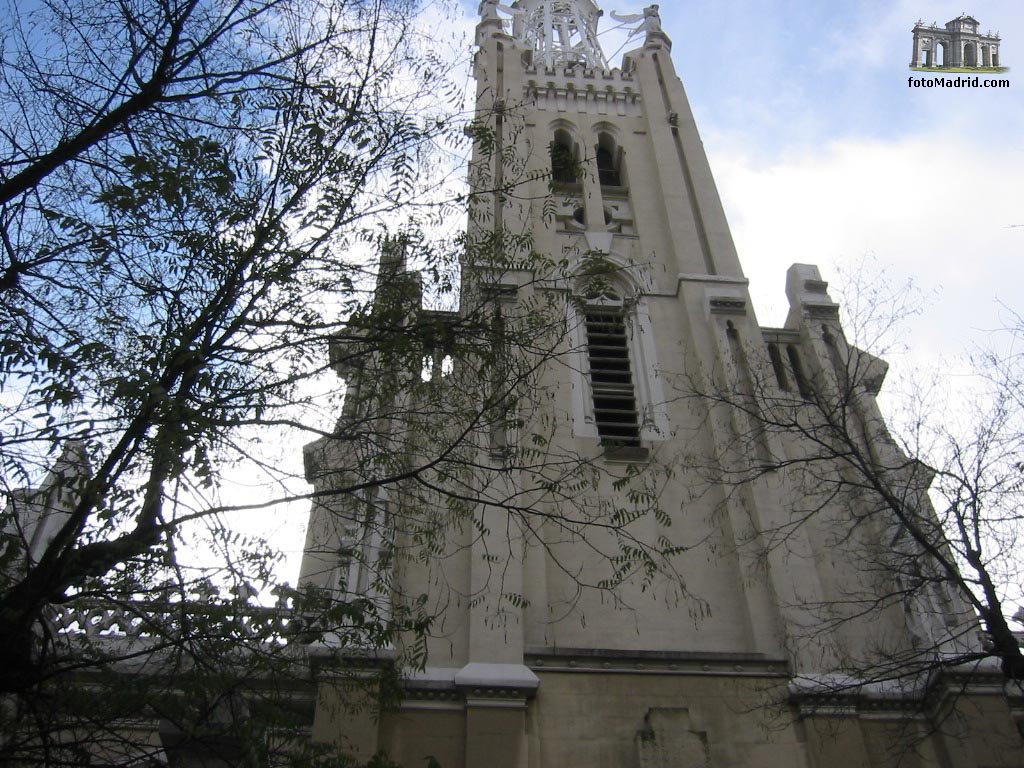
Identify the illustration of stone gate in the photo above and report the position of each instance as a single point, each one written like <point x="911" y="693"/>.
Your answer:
<point x="959" y="44"/>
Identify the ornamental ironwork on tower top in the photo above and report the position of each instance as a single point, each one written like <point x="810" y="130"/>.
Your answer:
<point x="560" y="32"/>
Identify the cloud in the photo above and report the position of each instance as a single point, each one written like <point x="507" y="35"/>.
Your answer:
<point x="937" y="208"/>
<point x="790" y="75"/>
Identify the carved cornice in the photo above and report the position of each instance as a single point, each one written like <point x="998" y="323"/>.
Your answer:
<point x="727" y="305"/>
<point x="655" y="663"/>
<point x="821" y="311"/>
<point x="585" y="97"/>
<point x="919" y="698"/>
<point x="475" y="685"/>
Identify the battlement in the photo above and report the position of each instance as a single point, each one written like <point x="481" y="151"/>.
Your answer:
<point x="577" y="73"/>
<point x="586" y="93"/>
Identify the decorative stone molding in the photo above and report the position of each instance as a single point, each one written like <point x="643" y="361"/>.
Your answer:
<point x="500" y="678"/>
<point x="501" y="686"/>
<point x="655" y="663"/>
<point x="840" y="696"/>
<point x="584" y="98"/>
<point x="727" y="305"/>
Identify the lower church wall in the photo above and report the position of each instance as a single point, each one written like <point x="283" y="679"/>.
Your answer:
<point x="588" y="719"/>
<point x="644" y="721"/>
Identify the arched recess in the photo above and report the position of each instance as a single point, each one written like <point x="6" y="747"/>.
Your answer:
<point x="617" y="392"/>
<point x="609" y="155"/>
<point x="942" y="54"/>
<point x="566" y="175"/>
<point x="970" y="55"/>
<point x="610" y="165"/>
<point x="613" y="186"/>
<point x="565" y="159"/>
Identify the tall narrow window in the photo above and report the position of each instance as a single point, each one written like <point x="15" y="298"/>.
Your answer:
<point x="563" y="159"/>
<point x="611" y="377"/>
<point x="348" y="555"/>
<point x="802" y="385"/>
<point x="609" y="164"/>
<point x="841" y="371"/>
<point x="756" y="431"/>
<point x="780" y="370"/>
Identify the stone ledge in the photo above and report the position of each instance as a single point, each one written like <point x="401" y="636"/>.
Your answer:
<point x="479" y="675"/>
<point x="474" y="685"/>
<point x="609" y="661"/>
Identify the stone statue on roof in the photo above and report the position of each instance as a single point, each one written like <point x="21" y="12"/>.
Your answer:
<point x="489" y="10"/>
<point x="650" y="20"/>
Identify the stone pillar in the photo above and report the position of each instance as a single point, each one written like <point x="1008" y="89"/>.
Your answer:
<point x="591" y="186"/>
<point x="348" y="716"/>
<point x="496" y="736"/>
<point x="915" y="59"/>
<point x="496" y="700"/>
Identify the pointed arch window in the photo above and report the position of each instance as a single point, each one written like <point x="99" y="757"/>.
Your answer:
<point x="802" y="385"/>
<point x="564" y="164"/>
<point x="778" y="367"/>
<point x="609" y="161"/>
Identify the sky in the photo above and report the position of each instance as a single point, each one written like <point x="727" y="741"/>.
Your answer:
<point x="824" y="154"/>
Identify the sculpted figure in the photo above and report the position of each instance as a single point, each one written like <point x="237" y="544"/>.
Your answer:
<point x="650" y="20"/>
<point x="488" y="9"/>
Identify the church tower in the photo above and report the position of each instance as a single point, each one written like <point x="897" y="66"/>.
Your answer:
<point x="617" y="563"/>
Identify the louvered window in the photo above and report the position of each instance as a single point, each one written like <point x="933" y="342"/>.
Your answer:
<point x="611" y="378"/>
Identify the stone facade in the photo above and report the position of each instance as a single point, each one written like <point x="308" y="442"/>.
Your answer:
<point x="732" y="672"/>
<point x="958" y="44"/>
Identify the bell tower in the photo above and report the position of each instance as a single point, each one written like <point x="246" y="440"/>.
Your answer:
<point x="613" y="182"/>
<point x="608" y="597"/>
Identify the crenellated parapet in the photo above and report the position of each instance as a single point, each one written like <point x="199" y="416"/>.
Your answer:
<point x="590" y="96"/>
